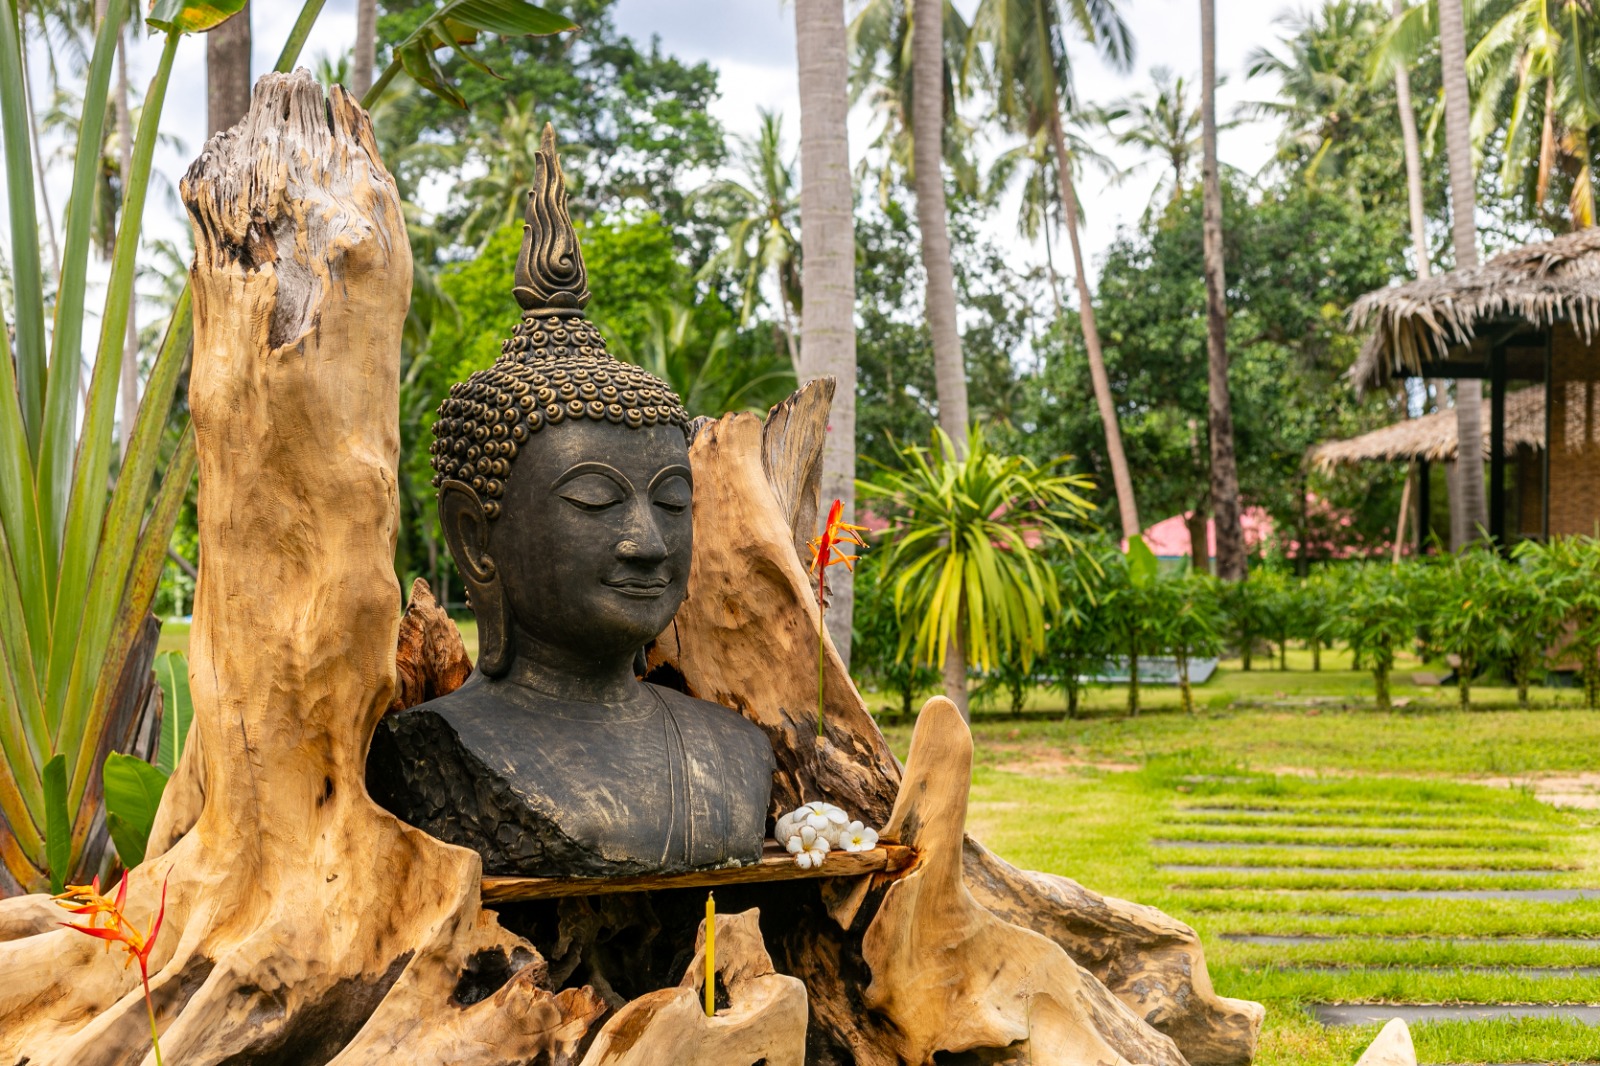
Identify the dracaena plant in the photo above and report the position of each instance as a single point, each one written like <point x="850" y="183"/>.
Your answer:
<point x="79" y="563"/>
<point x="967" y="555"/>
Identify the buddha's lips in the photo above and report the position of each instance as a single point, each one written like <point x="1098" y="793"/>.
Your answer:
<point x="642" y="587"/>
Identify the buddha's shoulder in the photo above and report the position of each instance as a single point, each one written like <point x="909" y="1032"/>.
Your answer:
<point x="703" y="715"/>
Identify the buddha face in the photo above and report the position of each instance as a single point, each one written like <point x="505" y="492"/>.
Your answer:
<point x="589" y="556"/>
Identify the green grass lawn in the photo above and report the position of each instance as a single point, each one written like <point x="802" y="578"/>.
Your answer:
<point x="1286" y="790"/>
<point x="1303" y="792"/>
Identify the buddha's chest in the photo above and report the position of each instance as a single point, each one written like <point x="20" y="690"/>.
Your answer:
<point x="657" y="791"/>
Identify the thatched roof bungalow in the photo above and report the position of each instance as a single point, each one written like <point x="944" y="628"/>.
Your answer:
<point x="1531" y="315"/>
<point x="1432" y="438"/>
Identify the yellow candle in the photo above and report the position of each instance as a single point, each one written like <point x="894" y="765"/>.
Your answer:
<point x="711" y="955"/>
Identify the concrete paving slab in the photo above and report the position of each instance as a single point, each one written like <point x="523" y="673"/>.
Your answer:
<point x="1297" y="939"/>
<point x="1417" y="1013"/>
<point x="1527" y="895"/>
<point x="1349" y="871"/>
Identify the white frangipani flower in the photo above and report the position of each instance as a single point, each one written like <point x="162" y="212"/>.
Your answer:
<point x="808" y="847"/>
<point x="857" y="837"/>
<point x="825" y="818"/>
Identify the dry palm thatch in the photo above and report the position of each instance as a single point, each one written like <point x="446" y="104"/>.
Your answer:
<point x="1542" y="284"/>
<point x="1433" y="437"/>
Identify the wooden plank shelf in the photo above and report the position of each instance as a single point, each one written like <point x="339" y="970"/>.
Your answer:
<point x="776" y="865"/>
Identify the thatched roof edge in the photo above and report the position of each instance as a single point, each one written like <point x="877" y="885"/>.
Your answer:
<point x="1542" y="284"/>
<point x="1433" y="437"/>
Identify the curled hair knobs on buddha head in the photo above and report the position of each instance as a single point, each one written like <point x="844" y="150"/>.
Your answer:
<point x="554" y="366"/>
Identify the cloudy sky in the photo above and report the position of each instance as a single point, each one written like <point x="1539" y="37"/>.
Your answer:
<point x="751" y="44"/>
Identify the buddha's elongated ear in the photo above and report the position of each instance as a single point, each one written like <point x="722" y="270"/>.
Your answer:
<point x="466" y="531"/>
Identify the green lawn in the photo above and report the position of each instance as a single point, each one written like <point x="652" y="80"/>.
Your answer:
<point x="1293" y="774"/>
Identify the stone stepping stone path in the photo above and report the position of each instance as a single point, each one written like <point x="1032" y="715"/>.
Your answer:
<point x="1348" y="871"/>
<point x="1301" y="939"/>
<point x="1530" y="895"/>
<point x="1410" y="914"/>
<point x="1414" y="1014"/>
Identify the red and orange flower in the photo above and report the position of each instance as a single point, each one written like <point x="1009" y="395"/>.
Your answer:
<point x="87" y="901"/>
<point x="825" y="553"/>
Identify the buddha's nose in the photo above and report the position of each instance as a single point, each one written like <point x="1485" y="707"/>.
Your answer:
<point x="642" y="543"/>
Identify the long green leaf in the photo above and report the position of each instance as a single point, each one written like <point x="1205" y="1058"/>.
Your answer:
<point x="510" y="18"/>
<point x="87" y="657"/>
<point x="176" y="17"/>
<point x="57" y="826"/>
<point x="456" y="23"/>
<point x="27" y="275"/>
<point x="297" y="36"/>
<point x="22" y="736"/>
<point x="23" y="698"/>
<point x="172" y="673"/>
<point x="133" y="791"/>
<point x="88" y="717"/>
<point x="19" y="514"/>
<point x="87" y="506"/>
<point x="66" y="354"/>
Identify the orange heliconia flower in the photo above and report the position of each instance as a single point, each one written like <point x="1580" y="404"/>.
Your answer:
<point x="87" y="900"/>
<point x="825" y="548"/>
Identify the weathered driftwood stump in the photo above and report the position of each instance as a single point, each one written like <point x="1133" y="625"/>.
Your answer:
<point x="305" y="925"/>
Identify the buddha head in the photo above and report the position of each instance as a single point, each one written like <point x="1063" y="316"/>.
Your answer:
<point x="563" y="473"/>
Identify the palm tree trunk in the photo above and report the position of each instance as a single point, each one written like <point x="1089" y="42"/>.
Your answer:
<point x="366" y="48"/>
<point x="955" y="672"/>
<point x="1458" y="143"/>
<point x="1418" y="207"/>
<point x="128" y="385"/>
<point x="789" y="341"/>
<point x="1225" y="507"/>
<point x="1413" y="153"/>
<point x="1055" y="279"/>
<point x="1127" y="509"/>
<point x="927" y="133"/>
<point x="228" y="72"/>
<point x="828" y="263"/>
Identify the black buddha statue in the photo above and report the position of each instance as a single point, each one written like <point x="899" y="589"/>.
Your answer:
<point x="565" y="495"/>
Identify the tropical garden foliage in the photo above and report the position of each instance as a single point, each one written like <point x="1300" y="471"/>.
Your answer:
<point x="995" y="556"/>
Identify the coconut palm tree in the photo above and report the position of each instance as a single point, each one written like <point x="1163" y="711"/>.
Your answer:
<point x="1474" y="510"/>
<point x="1321" y="90"/>
<point x="762" y="210"/>
<point x="508" y="151"/>
<point x="1533" y="70"/>
<point x="933" y="220"/>
<point x="880" y="40"/>
<point x="1163" y="124"/>
<point x="1413" y="154"/>
<point x="365" y="54"/>
<point x="1225" y="505"/>
<point x="228" y="80"/>
<point x="912" y="76"/>
<point x="1026" y="46"/>
<point x="828" y="255"/>
<point x="971" y="584"/>
<point x="1033" y="164"/>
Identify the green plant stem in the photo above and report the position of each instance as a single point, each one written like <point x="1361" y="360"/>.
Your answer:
<point x="381" y="84"/>
<point x="821" y="613"/>
<point x="297" y="36"/>
<point x="150" y="1012"/>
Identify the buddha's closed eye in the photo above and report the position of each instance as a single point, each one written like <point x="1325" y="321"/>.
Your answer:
<point x="591" y="492"/>
<point x="673" y="495"/>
